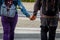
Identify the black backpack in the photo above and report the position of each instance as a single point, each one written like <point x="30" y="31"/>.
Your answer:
<point x="50" y="7"/>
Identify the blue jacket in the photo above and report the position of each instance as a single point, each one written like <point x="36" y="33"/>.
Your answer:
<point x="22" y="8"/>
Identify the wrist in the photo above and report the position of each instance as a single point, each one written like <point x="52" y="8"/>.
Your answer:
<point x="35" y="13"/>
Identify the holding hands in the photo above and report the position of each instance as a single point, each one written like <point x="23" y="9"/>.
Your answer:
<point x="33" y="17"/>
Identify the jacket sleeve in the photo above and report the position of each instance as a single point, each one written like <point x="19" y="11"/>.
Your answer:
<point x="37" y="6"/>
<point x="23" y="8"/>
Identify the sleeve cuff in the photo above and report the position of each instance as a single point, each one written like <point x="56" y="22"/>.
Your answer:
<point x="34" y="13"/>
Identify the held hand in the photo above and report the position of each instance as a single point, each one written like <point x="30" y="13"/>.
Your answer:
<point x="32" y="17"/>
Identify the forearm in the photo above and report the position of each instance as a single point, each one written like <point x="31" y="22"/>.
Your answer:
<point x="23" y="9"/>
<point x="25" y="12"/>
<point x="37" y="7"/>
<point x="59" y="5"/>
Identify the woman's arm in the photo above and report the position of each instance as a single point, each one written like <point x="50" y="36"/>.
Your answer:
<point x="23" y="9"/>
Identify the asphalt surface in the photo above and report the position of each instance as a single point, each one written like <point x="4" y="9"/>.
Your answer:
<point x="31" y="39"/>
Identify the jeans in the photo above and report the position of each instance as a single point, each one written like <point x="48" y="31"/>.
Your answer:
<point x="9" y="25"/>
<point x="48" y="25"/>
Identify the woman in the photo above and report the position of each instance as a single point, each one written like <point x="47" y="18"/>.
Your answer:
<point x="9" y="23"/>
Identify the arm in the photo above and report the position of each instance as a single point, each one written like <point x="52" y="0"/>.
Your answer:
<point x="59" y="5"/>
<point x="37" y="7"/>
<point x="23" y="9"/>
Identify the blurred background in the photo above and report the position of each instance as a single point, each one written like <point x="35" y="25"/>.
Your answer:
<point x="27" y="29"/>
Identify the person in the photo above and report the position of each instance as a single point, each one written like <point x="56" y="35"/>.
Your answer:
<point x="49" y="17"/>
<point x="9" y="23"/>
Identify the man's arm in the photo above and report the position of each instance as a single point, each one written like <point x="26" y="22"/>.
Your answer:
<point x="23" y="9"/>
<point x="37" y="7"/>
<point x="59" y="5"/>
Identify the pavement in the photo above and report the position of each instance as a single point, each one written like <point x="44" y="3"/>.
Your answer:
<point x="27" y="37"/>
<point x="31" y="39"/>
<point x="27" y="33"/>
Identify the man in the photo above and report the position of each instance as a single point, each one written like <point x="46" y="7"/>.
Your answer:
<point x="49" y="17"/>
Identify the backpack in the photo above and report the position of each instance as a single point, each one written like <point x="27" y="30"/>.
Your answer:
<point x="10" y="13"/>
<point x="12" y="9"/>
<point x="50" y="7"/>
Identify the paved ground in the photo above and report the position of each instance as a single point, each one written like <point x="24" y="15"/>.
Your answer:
<point x="35" y="39"/>
<point x="32" y="39"/>
<point x="29" y="6"/>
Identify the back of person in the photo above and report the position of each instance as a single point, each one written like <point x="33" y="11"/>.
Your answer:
<point x="50" y="7"/>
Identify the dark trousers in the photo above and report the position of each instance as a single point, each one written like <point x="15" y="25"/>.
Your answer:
<point x="48" y="25"/>
<point x="9" y="25"/>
